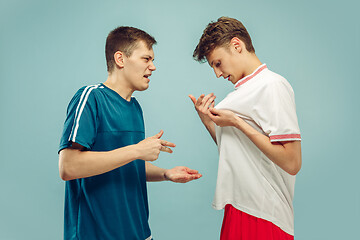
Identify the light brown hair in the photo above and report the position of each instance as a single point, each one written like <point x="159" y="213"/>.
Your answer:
<point x="219" y="34"/>
<point x="124" y="39"/>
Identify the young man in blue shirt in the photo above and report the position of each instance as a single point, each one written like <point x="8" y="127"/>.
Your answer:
<point x="103" y="156"/>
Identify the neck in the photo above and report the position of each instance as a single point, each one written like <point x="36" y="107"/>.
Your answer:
<point x="252" y="63"/>
<point x="117" y="83"/>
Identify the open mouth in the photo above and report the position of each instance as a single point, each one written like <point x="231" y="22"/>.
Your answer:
<point x="146" y="76"/>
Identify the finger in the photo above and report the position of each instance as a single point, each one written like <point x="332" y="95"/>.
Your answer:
<point x="193" y="99"/>
<point x="210" y="114"/>
<point x="212" y="104"/>
<point x="214" y="111"/>
<point x="158" y="135"/>
<point x="166" y="149"/>
<point x="190" y="178"/>
<point x="212" y="117"/>
<point x="192" y="171"/>
<point x="198" y="102"/>
<point x="166" y="143"/>
<point x="209" y="101"/>
<point x="197" y="176"/>
<point x="188" y="170"/>
<point x="206" y="98"/>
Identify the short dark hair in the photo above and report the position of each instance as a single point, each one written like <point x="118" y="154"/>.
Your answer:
<point x="124" y="39"/>
<point x="220" y="33"/>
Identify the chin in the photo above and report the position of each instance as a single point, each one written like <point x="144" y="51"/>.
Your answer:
<point x="143" y="88"/>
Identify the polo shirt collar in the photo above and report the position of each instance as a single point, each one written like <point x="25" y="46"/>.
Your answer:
<point x="248" y="77"/>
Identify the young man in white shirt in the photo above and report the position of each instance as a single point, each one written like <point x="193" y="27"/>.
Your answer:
<point x="257" y="133"/>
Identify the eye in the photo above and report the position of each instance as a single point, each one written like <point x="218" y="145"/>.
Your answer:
<point x="217" y="64"/>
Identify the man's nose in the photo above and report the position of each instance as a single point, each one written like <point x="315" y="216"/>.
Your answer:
<point x="218" y="73"/>
<point x="152" y="67"/>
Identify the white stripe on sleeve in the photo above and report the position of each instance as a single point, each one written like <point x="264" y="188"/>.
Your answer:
<point x="77" y="109"/>
<point x="82" y="104"/>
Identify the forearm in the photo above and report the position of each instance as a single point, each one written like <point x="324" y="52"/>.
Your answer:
<point x="287" y="156"/>
<point x="210" y="127"/>
<point x="154" y="173"/>
<point x="74" y="163"/>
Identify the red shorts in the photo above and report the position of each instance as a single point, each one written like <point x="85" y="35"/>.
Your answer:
<point x="238" y="225"/>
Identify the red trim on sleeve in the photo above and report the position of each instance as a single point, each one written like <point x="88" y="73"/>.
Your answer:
<point x="285" y="136"/>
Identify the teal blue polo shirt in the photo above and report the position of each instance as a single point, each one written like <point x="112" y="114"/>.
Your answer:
<point x="111" y="205"/>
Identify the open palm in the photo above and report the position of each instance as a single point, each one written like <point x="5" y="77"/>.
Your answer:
<point x="182" y="174"/>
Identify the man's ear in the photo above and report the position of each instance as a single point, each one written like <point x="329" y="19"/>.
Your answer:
<point x="236" y="43"/>
<point x="119" y="59"/>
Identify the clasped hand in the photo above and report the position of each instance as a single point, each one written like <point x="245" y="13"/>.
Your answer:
<point x="204" y="105"/>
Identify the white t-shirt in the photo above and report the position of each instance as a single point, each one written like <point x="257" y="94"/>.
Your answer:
<point x="247" y="179"/>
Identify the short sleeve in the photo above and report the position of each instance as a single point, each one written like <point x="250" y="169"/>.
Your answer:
<point x="81" y="119"/>
<point x="275" y="112"/>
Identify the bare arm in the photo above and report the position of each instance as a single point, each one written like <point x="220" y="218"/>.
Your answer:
<point x="202" y="105"/>
<point x="287" y="155"/>
<point x="176" y="174"/>
<point x="75" y="163"/>
<point x="154" y="173"/>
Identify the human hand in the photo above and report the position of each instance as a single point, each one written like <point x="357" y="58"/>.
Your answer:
<point x="223" y="118"/>
<point x="181" y="174"/>
<point x="150" y="147"/>
<point x="202" y="105"/>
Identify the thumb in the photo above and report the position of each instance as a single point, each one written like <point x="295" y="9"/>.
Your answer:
<point x="192" y="171"/>
<point x="214" y="111"/>
<point x="193" y="99"/>
<point x="158" y="135"/>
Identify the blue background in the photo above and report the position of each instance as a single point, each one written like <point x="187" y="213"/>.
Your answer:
<point x="49" y="49"/>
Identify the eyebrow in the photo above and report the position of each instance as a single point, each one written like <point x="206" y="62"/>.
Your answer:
<point x="148" y="56"/>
